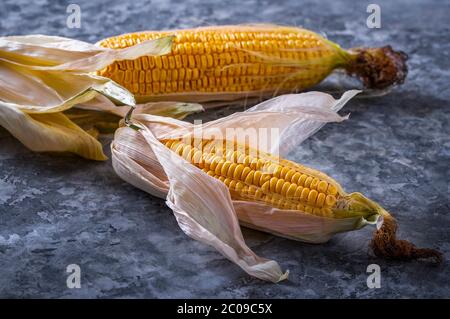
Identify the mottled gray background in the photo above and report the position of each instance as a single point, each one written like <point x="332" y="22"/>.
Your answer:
<point x="55" y="211"/>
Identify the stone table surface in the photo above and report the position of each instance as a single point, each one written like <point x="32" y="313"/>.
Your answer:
<point x="56" y="211"/>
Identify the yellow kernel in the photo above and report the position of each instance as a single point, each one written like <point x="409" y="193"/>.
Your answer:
<point x="158" y="62"/>
<point x="249" y="179"/>
<point x="142" y="77"/>
<point x="277" y="171"/>
<point x="231" y="169"/>
<point x="232" y="185"/>
<point x="155" y="87"/>
<point x="179" y="149"/>
<point x="227" y="181"/>
<point x="253" y="163"/>
<point x="165" y="62"/>
<point x="332" y="190"/>
<point x="291" y="191"/>
<point x="245" y="173"/>
<point x="312" y="197"/>
<point x="171" y="62"/>
<point x="214" y="163"/>
<point x="285" y="188"/>
<point x="148" y="76"/>
<point x="264" y="178"/>
<point x="273" y="184"/>
<point x="238" y="171"/>
<point x="266" y="187"/>
<point x="163" y="76"/>
<point x="314" y="183"/>
<point x="257" y="178"/>
<point x="259" y="194"/>
<point x="320" y="199"/>
<point x="298" y="192"/>
<point x="330" y="200"/>
<point x="144" y="63"/>
<point x="178" y="62"/>
<point x="239" y="186"/>
<point x="302" y="179"/>
<point x="304" y="194"/>
<point x="295" y="178"/>
<point x="288" y="176"/>
<point x="260" y="164"/>
<point x="128" y="76"/>
<point x="308" y="181"/>
<point x="191" y="61"/>
<point x="279" y="185"/>
<point x="284" y="171"/>
<point x="209" y="60"/>
<point x="322" y="187"/>
<point x="224" y="169"/>
<point x="190" y="155"/>
<point x="156" y="74"/>
<point x="197" y="157"/>
<point x="188" y="48"/>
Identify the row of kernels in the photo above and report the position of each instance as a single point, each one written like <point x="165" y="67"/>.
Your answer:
<point x="221" y="78"/>
<point x="196" y="86"/>
<point x="243" y="179"/>
<point x="298" y="192"/>
<point x="177" y="60"/>
<point x="292" y="48"/>
<point x="207" y="36"/>
<point x="293" y="176"/>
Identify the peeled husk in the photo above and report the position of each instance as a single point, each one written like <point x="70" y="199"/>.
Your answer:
<point x="43" y="77"/>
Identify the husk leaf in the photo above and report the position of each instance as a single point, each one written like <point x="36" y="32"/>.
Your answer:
<point x="43" y="76"/>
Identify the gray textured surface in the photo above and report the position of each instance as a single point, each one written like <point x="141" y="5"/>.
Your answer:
<point x="55" y="211"/>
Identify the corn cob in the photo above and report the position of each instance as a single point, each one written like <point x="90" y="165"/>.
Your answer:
<point x="251" y="175"/>
<point x="229" y="62"/>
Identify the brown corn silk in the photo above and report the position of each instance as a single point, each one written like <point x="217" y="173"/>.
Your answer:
<point x="231" y="62"/>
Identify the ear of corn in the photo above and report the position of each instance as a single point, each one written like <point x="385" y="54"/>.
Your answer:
<point x="233" y="61"/>
<point x="251" y="175"/>
<point x="256" y="176"/>
<point x="172" y="160"/>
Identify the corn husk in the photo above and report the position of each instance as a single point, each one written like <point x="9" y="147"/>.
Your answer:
<point x="42" y="77"/>
<point x="202" y="204"/>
